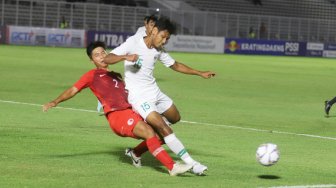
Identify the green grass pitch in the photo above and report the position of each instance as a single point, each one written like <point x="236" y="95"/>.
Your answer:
<point x="252" y="100"/>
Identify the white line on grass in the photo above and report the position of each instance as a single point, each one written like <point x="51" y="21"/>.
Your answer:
<point x="261" y="130"/>
<point x="191" y="122"/>
<point x="306" y="186"/>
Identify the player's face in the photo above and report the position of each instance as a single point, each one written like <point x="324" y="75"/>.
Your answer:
<point x="97" y="57"/>
<point x="149" y="26"/>
<point x="161" y="38"/>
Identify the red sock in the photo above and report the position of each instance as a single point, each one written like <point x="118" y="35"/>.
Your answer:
<point x="159" y="152"/>
<point x="142" y="148"/>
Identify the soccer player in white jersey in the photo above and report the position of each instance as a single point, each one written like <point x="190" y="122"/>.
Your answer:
<point x="149" y="22"/>
<point x="144" y="93"/>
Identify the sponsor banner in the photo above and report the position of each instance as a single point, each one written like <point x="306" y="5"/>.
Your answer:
<point x="45" y="36"/>
<point x="264" y="47"/>
<point x="2" y="34"/>
<point x="258" y="47"/>
<point x="315" y="49"/>
<point x="65" y="37"/>
<point x="189" y="43"/>
<point x="295" y="48"/>
<point x="26" y="35"/>
<point x="111" y="39"/>
<point x="315" y="46"/>
<point x="314" y="53"/>
<point x="330" y="47"/>
<point x="329" y="53"/>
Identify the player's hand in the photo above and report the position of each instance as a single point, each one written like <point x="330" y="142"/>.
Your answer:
<point x="132" y="57"/>
<point x="48" y="105"/>
<point x="207" y="74"/>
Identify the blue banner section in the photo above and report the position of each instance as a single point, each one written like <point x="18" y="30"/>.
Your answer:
<point x="264" y="47"/>
<point x="330" y="46"/>
<point x="112" y="39"/>
<point x="315" y="49"/>
<point x="314" y="53"/>
<point x="2" y="34"/>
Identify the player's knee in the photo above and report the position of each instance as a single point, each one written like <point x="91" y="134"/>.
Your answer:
<point x="144" y="131"/>
<point x="149" y="132"/>
<point x="176" y="119"/>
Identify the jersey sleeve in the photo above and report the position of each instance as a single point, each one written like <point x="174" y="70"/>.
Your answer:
<point x="84" y="81"/>
<point x="125" y="47"/>
<point x="166" y="59"/>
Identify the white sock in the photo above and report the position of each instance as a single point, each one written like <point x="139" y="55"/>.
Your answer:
<point x="177" y="147"/>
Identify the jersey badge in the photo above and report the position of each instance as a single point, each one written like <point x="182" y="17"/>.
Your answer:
<point x="130" y="121"/>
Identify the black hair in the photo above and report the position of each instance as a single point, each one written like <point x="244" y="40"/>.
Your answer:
<point x="94" y="45"/>
<point x="164" y="23"/>
<point x="152" y="17"/>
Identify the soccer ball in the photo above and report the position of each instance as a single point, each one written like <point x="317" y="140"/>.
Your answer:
<point x="267" y="154"/>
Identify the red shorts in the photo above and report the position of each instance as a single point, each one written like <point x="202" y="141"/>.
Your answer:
<point x="123" y="122"/>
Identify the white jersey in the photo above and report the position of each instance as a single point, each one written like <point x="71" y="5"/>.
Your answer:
<point x="139" y="79"/>
<point x="141" y="32"/>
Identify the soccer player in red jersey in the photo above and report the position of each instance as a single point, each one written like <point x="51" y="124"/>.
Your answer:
<point x="109" y="88"/>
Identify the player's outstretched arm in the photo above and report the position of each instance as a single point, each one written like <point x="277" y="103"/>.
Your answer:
<point x="67" y="94"/>
<point x="112" y="58"/>
<point x="180" y="67"/>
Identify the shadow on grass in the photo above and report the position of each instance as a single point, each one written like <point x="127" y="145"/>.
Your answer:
<point x="270" y="177"/>
<point x="329" y="116"/>
<point x="119" y="152"/>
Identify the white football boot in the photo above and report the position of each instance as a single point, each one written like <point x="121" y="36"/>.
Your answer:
<point x="179" y="169"/>
<point x="136" y="160"/>
<point x="199" y="169"/>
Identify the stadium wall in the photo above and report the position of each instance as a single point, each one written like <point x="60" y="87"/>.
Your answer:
<point x="181" y="43"/>
<point x="2" y="34"/>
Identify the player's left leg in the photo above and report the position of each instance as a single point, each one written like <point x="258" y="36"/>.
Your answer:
<point x="127" y="123"/>
<point x="178" y="148"/>
<point x="146" y="132"/>
<point x="166" y="107"/>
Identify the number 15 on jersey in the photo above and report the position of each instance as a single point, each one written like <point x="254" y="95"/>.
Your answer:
<point x="145" y="106"/>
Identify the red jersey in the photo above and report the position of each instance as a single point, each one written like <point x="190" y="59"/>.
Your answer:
<point x="107" y="86"/>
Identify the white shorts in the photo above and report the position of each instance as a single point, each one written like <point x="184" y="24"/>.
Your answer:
<point x="159" y="103"/>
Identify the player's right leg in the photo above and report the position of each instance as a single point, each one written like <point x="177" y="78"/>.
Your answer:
<point x="149" y="111"/>
<point x="328" y="105"/>
<point x="174" y="144"/>
<point x="173" y="115"/>
<point x="128" y="123"/>
<point x="144" y="131"/>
